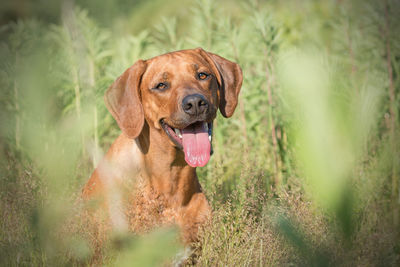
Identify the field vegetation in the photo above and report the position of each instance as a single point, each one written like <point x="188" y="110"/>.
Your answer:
<point x="306" y="172"/>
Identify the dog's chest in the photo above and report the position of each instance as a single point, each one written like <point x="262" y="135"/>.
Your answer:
<point x="147" y="210"/>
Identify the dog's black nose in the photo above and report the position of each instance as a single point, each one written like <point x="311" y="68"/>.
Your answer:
<point x="195" y="104"/>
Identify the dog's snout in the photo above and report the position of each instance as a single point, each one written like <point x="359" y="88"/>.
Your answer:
<point x="194" y="104"/>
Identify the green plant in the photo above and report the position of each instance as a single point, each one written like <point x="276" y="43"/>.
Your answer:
<point x="304" y="173"/>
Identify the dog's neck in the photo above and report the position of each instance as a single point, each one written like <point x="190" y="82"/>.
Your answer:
<point x="166" y="168"/>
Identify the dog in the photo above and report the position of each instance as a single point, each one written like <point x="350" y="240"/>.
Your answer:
<point x="165" y="107"/>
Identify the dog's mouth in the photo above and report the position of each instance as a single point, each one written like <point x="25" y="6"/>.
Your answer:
<point x="194" y="139"/>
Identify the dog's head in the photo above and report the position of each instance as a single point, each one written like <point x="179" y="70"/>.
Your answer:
<point x="177" y="94"/>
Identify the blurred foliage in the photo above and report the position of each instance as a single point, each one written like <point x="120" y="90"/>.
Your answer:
<point x="305" y="173"/>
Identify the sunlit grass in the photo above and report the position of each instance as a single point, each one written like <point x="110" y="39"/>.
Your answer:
<point x="304" y="173"/>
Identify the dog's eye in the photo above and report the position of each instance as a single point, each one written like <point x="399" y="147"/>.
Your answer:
<point x="202" y="75"/>
<point x="161" y="86"/>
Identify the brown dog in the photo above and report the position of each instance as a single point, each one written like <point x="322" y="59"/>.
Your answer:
<point x="165" y="107"/>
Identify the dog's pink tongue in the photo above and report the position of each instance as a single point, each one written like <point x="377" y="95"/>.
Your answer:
<point x="196" y="145"/>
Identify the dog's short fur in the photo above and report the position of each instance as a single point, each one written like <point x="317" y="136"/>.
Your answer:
<point x="144" y="179"/>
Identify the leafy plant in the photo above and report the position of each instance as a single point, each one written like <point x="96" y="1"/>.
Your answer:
<point x="305" y="172"/>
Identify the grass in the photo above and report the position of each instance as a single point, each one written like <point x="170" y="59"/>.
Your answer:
<point x="304" y="173"/>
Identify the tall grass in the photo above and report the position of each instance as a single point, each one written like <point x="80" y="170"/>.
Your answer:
<point x="305" y="173"/>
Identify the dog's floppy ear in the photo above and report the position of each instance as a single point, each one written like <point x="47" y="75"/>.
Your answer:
<point x="123" y="101"/>
<point x="230" y="78"/>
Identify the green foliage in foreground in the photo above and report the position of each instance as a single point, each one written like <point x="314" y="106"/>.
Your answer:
<point x="305" y="173"/>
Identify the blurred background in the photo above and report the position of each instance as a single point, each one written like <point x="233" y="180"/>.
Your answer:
<point x="306" y="172"/>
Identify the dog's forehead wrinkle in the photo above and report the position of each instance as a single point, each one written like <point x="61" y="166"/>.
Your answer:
<point x="179" y="58"/>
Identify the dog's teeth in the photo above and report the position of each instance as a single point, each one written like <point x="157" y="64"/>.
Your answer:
<point x="178" y="133"/>
<point x="205" y="125"/>
<point x="209" y="138"/>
